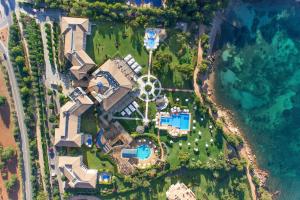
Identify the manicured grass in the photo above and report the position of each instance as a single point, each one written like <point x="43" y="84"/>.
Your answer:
<point x="109" y="39"/>
<point x="215" y="149"/>
<point x="89" y="123"/>
<point x="98" y="161"/>
<point x="130" y="125"/>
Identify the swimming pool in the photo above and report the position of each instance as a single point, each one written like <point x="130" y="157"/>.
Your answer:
<point x="143" y="152"/>
<point x="180" y="121"/>
<point x="151" y="43"/>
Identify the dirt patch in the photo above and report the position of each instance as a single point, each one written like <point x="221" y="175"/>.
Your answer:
<point x="6" y="140"/>
<point x="4" y="36"/>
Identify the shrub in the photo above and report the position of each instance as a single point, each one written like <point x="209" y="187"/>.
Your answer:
<point x="9" y="184"/>
<point x="2" y="100"/>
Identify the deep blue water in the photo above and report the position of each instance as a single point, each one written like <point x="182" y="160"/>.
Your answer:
<point x="258" y="77"/>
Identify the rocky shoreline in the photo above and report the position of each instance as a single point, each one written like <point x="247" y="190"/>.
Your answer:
<point x="228" y="118"/>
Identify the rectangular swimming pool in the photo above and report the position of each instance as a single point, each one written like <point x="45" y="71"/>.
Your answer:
<point x="180" y="121"/>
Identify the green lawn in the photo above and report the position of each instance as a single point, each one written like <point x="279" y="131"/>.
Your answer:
<point x="99" y="161"/>
<point x="201" y="182"/>
<point x="89" y="123"/>
<point x="130" y="125"/>
<point x="109" y="39"/>
<point x="215" y="149"/>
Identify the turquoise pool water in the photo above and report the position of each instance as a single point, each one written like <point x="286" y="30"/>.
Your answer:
<point x="151" y="40"/>
<point x="142" y="152"/>
<point x="181" y="121"/>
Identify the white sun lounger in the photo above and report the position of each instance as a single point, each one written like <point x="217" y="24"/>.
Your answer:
<point x="123" y="113"/>
<point x="135" y="104"/>
<point x="128" y="57"/>
<point x="131" y="61"/>
<point x="128" y="111"/>
<point x="134" y="65"/>
<point x="132" y="108"/>
<point x="138" y="69"/>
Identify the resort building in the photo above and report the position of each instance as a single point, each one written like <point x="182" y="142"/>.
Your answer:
<point x="177" y="123"/>
<point x="74" y="31"/>
<point x="76" y="173"/>
<point x="68" y="134"/>
<point x="112" y="85"/>
<point x="180" y="191"/>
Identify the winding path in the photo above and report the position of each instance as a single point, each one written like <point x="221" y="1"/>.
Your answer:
<point x="198" y="94"/>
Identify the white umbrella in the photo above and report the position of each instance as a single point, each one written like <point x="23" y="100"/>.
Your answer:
<point x="200" y="133"/>
<point x="201" y="119"/>
<point x="210" y="126"/>
<point x="196" y="149"/>
<point x="194" y="127"/>
<point x="195" y="107"/>
<point x="206" y="145"/>
<point x="177" y="99"/>
<point x="211" y="140"/>
<point x="194" y="121"/>
<point x="196" y="140"/>
<point x="171" y="142"/>
<point x="189" y="144"/>
<point x="186" y="100"/>
<point x="180" y="144"/>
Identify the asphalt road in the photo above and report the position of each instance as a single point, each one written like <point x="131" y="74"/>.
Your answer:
<point x="6" y="8"/>
<point x="21" y="118"/>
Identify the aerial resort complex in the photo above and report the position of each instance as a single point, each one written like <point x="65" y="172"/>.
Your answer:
<point x="114" y="87"/>
<point x="112" y="100"/>
<point x="128" y="101"/>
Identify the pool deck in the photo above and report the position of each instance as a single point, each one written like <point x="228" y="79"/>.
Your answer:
<point x="126" y="166"/>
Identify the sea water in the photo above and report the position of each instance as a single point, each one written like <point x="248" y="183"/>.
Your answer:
<point x="258" y="78"/>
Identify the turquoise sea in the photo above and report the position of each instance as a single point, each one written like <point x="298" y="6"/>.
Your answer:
<point x="258" y="78"/>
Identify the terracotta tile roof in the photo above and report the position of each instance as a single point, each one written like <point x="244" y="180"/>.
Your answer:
<point x="68" y="133"/>
<point x="114" y="93"/>
<point x="77" y="173"/>
<point x="74" y="31"/>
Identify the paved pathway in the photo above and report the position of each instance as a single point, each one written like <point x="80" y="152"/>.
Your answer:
<point x="127" y="118"/>
<point x="162" y="158"/>
<point x="40" y="152"/>
<point x="177" y="90"/>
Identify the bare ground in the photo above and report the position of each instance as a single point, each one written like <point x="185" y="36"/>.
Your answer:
<point x="7" y="139"/>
